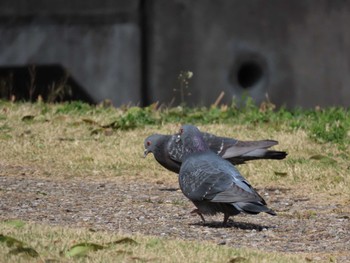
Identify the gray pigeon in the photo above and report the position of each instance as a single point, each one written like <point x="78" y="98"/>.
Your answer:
<point x="168" y="150"/>
<point x="212" y="183"/>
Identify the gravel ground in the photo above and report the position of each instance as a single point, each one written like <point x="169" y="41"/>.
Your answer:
<point x="303" y="224"/>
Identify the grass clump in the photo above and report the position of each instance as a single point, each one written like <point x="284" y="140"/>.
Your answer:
<point x="71" y="107"/>
<point x="330" y="125"/>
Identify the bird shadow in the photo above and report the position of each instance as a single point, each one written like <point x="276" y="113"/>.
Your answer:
<point x="233" y="224"/>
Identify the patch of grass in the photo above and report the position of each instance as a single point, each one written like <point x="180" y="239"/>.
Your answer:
<point x="74" y="107"/>
<point x="310" y="214"/>
<point x="325" y="125"/>
<point x="63" y="141"/>
<point x="180" y="202"/>
<point x="331" y="125"/>
<point x="57" y="244"/>
<point x="77" y="139"/>
<point x="5" y="128"/>
<point x="135" y="117"/>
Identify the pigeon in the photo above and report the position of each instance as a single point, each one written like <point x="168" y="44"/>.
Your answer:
<point x="212" y="183"/>
<point x="167" y="149"/>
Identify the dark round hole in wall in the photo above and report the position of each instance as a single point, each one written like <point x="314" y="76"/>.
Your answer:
<point x="248" y="74"/>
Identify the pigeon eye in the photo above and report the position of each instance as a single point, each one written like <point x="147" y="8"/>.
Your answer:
<point x="148" y="143"/>
<point x="181" y="131"/>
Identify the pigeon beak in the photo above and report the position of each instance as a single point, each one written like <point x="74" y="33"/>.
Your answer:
<point x="178" y="138"/>
<point x="145" y="153"/>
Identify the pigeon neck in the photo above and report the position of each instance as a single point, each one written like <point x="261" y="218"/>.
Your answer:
<point x="195" y="144"/>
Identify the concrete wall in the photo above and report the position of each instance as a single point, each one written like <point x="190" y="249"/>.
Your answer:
<point x="301" y="48"/>
<point x="97" y="42"/>
<point x="296" y="51"/>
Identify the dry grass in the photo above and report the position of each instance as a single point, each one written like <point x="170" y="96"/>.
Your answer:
<point x="314" y="176"/>
<point x="53" y="242"/>
<point x="64" y="146"/>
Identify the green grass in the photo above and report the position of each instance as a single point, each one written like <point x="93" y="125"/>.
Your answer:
<point x="322" y="125"/>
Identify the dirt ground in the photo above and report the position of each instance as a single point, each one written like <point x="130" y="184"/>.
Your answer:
<point x="303" y="224"/>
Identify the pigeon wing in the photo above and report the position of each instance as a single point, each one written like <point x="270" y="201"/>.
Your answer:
<point x="242" y="148"/>
<point x="229" y="147"/>
<point x="209" y="177"/>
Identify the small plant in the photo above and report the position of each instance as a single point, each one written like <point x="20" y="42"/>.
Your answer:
<point x="184" y="78"/>
<point x="6" y="87"/>
<point x="58" y="91"/>
<point x="31" y="86"/>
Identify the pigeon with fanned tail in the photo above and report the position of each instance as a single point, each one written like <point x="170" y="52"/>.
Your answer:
<point x="168" y="150"/>
<point x="212" y="183"/>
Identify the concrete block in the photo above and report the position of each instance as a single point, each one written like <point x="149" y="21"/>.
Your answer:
<point x="102" y="55"/>
<point x="294" y="51"/>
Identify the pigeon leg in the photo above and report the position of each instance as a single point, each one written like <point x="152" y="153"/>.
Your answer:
<point x="196" y="211"/>
<point x="226" y="216"/>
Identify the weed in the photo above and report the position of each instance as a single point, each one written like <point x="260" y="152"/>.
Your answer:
<point x="58" y="91"/>
<point x="31" y="86"/>
<point x="6" y="87"/>
<point x="184" y="78"/>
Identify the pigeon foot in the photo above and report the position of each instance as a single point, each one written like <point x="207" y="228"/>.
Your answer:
<point x="196" y="211"/>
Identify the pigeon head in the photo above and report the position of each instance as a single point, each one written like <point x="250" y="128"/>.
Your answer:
<point x="151" y="143"/>
<point x="192" y="139"/>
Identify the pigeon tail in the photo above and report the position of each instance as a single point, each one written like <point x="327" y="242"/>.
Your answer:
<point x="264" y="154"/>
<point x="277" y="155"/>
<point x="253" y="208"/>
